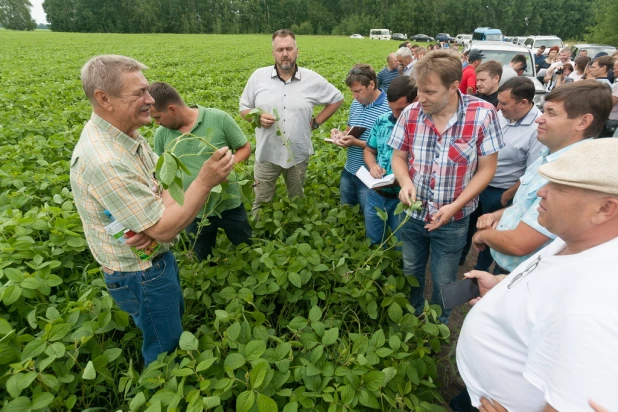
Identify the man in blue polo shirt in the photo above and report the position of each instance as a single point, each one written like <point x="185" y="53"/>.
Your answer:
<point x="369" y="103"/>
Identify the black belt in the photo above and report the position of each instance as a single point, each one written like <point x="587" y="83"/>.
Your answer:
<point x="388" y="195"/>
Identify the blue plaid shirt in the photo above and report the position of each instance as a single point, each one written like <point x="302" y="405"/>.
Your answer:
<point x="525" y="204"/>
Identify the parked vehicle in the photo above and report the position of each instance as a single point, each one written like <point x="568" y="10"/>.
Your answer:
<point x="508" y="39"/>
<point x="399" y="36"/>
<point x="445" y="37"/>
<point x="461" y="39"/>
<point x="503" y="52"/>
<point x="380" y="34"/>
<point x="593" y="49"/>
<point x="487" y="34"/>
<point x="421" y="37"/>
<point x="534" y="42"/>
<point x="356" y="36"/>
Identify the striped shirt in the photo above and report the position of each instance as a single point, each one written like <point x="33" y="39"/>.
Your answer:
<point x="113" y="171"/>
<point x="363" y="116"/>
<point x="442" y="165"/>
<point x="525" y="204"/>
<point x="385" y="77"/>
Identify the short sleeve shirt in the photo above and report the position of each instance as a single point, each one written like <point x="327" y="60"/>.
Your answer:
<point x="468" y="79"/>
<point x="220" y="130"/>
<point x="385" y="77"/>
<point x="293" y="101"/>
<point x="442" y="164"/>
<point x="521" y="149"/>
<point x="524" y="208"/>
<point x="113" y="171"/>
<point x="378" y="141"/>
<point x="364" y="116"/>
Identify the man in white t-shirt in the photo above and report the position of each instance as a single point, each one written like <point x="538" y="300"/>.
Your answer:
<point x="543" y="338"/>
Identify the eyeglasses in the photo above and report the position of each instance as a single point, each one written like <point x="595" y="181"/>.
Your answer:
<point x="525" y="272"/>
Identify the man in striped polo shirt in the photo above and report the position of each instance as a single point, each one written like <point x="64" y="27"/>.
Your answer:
<point x="446" y="151"/>
<point x="369" y="103"/>
<point x="389" y="73"/>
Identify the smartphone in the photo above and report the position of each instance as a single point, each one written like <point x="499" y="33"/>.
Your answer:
<point x="460" y="292"/>
<point x="356" y="131"/>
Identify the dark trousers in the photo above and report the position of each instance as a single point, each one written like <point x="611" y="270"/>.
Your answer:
<point x="235" y="224"/>
<point x="489" y="201"/>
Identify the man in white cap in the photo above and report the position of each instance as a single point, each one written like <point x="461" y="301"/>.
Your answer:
<point x="543" y="338"/>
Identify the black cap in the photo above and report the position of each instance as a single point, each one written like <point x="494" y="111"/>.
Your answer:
<point x="475" y="55"/>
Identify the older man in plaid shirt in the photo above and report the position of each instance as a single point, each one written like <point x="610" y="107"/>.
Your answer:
<point x="112" y="170"/>
<point x="445" y="154"/>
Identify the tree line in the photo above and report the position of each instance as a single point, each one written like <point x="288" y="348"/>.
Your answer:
<point x="568" y="19"/>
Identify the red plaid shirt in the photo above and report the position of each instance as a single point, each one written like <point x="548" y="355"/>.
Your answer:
<point x="442" y="165"/>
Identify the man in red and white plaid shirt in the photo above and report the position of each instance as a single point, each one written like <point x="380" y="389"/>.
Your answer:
<point x="446" y="151"/>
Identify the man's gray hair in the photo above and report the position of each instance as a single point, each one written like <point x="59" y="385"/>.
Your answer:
<point x="566" y="50"/>
<point x="404" y="52"/>
<point x="104" y="73"/>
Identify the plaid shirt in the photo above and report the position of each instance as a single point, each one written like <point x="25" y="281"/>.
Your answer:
<point x="442" y="165"/>
<point x="112" y="171"/>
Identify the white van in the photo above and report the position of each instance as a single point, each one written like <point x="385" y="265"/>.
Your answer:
<point x="380" y="34"/>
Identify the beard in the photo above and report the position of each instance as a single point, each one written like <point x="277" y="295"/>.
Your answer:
<point x="287" y="65"/>
<point x="437" y="107"/>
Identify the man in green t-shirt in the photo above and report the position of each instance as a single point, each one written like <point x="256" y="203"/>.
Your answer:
<point x="224" y="211"/>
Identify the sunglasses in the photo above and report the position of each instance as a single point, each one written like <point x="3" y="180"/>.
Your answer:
<point x="357" y="70"/>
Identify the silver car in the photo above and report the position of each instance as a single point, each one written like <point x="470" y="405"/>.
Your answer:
<point x="503" y="52"/>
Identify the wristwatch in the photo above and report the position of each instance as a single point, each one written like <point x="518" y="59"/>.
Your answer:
<point x="314" y="123"/>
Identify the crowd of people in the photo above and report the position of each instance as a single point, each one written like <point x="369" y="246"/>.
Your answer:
<point x="535" y="192"/>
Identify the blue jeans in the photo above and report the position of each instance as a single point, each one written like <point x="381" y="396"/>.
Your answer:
<point x="446" y="244"/>
<point x="233" y="221"/>
<point x="352" y="190"/>
<point x="375" y="227"/>
<point x="153" y="298"/>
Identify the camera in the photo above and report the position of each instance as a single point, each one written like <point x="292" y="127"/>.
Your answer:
<point x="559" y="71"/>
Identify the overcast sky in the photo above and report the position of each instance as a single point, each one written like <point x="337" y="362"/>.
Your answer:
<point x="37" y="11"/>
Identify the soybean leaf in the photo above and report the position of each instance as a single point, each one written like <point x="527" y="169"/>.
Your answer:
<point x="169" y="168"/>
<point x="245" y="401"/>
<point x="330" y="336"/>
<point x="315" y="314"/>
<point x="89" y="372"/>
<point x="257" y="375"/>
<point x="266" y="404"/>
<point x="188" y="341"/>
<point x="254" y="349"/>
<point x="177" y="193"/>
<point x="234" y="361"/>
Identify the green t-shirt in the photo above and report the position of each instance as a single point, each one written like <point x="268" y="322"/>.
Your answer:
<point x="219" y="129"/>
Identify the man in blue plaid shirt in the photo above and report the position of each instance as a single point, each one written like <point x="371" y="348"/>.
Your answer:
<point x="445" y="154"/>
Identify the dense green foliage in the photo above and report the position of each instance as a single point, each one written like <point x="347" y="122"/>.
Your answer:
<point x="308" y="318"/>
<point x="15" y="15"/>
<point x="605" y="30"/>
<point x="565" y="18"/>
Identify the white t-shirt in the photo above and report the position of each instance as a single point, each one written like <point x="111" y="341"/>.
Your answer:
<point x="551" y="338"/>
<point x="507" y="73"/>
